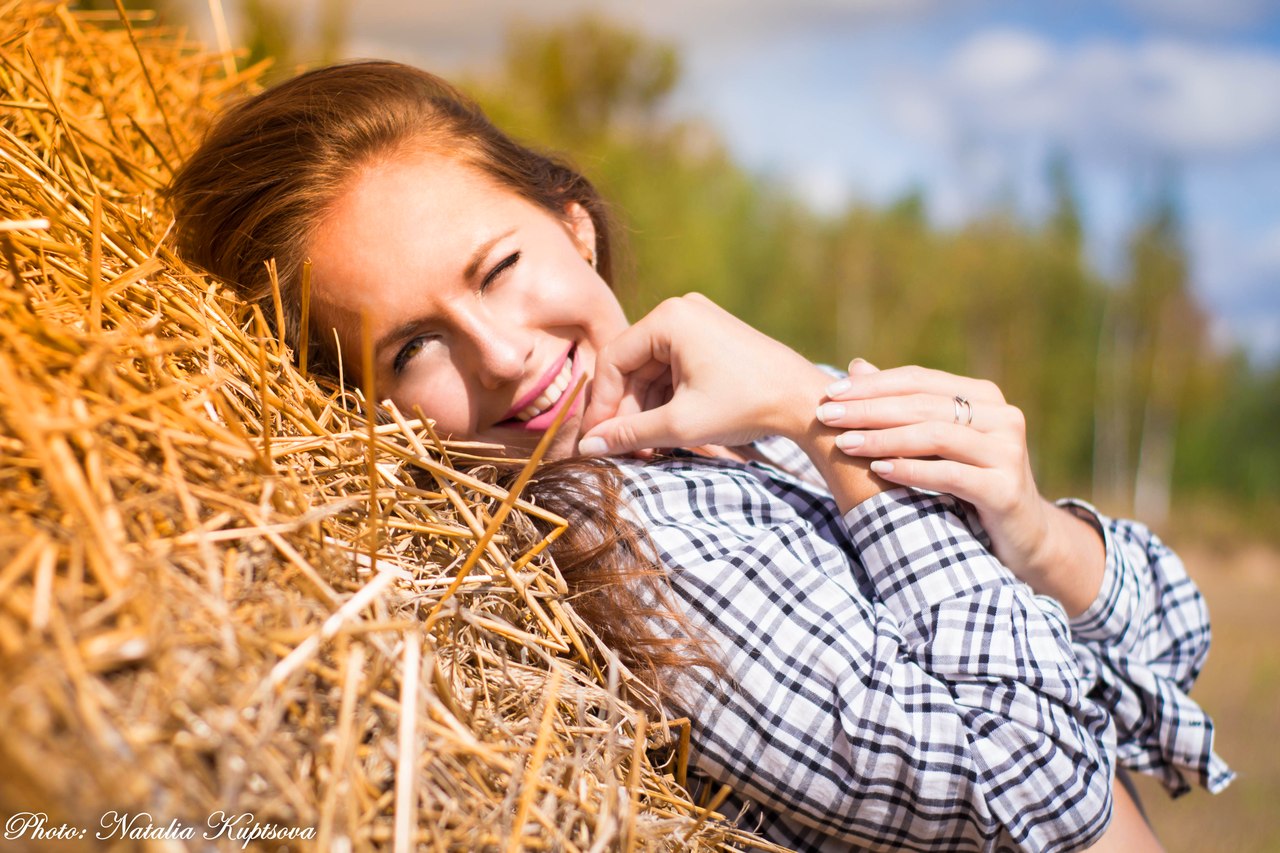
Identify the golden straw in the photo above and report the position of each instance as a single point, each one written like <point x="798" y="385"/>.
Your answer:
<point x="223" y="580"/>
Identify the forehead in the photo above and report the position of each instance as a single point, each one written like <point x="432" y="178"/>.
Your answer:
<point x="414" y="217"/>
<point x="412" y="195"/>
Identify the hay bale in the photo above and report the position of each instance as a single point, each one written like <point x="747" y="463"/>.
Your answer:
<point x="221" y="590"/>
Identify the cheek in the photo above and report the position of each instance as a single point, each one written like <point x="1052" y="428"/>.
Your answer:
<point x="445" y="399"/>
<point x="584" y="299"/>
<point x="608" y="319"/>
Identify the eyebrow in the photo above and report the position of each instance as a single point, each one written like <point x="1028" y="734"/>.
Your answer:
<point x="473" y="266"/>
<point x="477" y="258"/>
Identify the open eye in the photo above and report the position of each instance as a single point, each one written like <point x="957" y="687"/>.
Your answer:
<point x="407" y="352"/>
<point x="502" y="266"/>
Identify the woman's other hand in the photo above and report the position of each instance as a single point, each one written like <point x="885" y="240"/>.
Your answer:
<point x="946" y="433"/>
<point x="690" y="373"/>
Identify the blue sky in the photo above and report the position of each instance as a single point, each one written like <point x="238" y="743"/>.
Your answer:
<point x="964" y="99"/>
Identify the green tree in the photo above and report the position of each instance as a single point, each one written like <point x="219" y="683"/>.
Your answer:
<point x="589" y="76"/>
<point x="272" y="31"/>
<point x="1153" y="352"/>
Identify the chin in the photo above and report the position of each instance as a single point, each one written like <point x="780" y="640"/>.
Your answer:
<point x="565" y="442"/>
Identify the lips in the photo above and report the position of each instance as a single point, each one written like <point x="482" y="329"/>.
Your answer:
<point x="550" y="395"/>
<point x="539" y="407"/>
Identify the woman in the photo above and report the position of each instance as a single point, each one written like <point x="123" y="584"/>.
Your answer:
<point x="886" y="681"/>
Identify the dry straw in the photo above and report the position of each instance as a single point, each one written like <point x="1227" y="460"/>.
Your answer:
<point x="220" y="588"/>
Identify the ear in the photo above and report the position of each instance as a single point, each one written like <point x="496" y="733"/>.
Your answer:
<point x="582" y="228"/>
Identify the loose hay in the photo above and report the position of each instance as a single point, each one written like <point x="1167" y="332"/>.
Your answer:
<point x="221" y="590"/>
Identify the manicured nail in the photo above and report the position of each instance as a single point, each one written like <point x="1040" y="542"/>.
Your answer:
<point x="838" y="387"/>
<point x="830" y="411"/>
<point x="861" y="365"/>
<point x="849" y="440"/>
<point x="593" y="446"/>
<point x="880" y="466"/>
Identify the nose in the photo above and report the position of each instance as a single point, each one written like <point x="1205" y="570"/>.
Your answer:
<point x="501" y="348"/>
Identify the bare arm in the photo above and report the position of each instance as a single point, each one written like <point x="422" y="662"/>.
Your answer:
<point x="1128" y="832"/>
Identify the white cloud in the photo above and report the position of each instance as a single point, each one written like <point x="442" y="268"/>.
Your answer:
<point x="1002" y="60"/>
<point x="1201" y="14"/>
<point x="1203" y="100"/>
<point x="1162" y="97"/>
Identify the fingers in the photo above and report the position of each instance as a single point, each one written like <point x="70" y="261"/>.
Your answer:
<point x="625" y="369"/>
<point x="894" y="411"/>
<point x="635" y="378"/>
<point x="689" y="373"/>
<point x="640" y="431"/>
<point x="900" y="381"/>
<point x="613" y="393"/>
<point x="861" y="367"/>
<point x="966" y="482"/>
<point x="646" y="353"/>
<point x="929" y="438"/>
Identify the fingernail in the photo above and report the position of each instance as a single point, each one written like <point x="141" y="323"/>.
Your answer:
<point x="880" y="466"/>
<point x="838" y="387"/>
<point x="830" y="411"/>
<point x="593" y="445"/>
<point x="849" y="440"/>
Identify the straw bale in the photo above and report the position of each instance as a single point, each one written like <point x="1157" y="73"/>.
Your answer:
<point x="221" y="590"/>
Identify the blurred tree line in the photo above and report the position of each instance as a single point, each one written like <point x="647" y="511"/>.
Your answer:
<point x="1126" y="399"/>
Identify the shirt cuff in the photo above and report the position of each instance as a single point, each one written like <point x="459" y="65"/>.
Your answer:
<point x="1111" y="612"/>
<point x="918" y="551"/>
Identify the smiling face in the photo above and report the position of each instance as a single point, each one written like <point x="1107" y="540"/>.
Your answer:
<point x="482" y="306"/>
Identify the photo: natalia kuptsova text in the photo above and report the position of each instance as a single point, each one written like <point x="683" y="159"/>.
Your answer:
<point x="243" y="829"/>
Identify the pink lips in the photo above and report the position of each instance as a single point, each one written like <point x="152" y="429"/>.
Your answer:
<point x="542" y="421"/>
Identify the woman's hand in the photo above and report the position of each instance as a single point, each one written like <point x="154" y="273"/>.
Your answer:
<point x="946" y="433"/>
<point x="690" y="373"/>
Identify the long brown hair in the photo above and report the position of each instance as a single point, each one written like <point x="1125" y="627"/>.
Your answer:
<point x="263" y="180"/>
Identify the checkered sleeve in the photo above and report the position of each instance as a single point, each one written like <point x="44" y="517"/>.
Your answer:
<point x="1141" y="645"/>
<point x="890" y="684"/>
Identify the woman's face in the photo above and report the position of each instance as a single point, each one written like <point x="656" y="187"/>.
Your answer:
<point x="483" y="308"/>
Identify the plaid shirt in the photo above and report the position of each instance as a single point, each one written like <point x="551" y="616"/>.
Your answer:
<point x="893" y="686"/>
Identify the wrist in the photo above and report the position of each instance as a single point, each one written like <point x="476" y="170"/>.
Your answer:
<point x="796" y="412"/>
<point x="796" y="417"/>
<point x="1046" y="555"/>
<point x="850" y="479"/>
<point x="1070" y="561"/>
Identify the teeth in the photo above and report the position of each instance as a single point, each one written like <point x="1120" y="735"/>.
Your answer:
<point x="550" y="396"/>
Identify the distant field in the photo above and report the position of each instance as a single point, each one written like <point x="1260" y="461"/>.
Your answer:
<point x="1240" y="687"/>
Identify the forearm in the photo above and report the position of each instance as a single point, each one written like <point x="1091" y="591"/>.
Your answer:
<point x="849" y="479"/>
<point x="1070" y="562"/>
<point x="1128" y="832"/>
